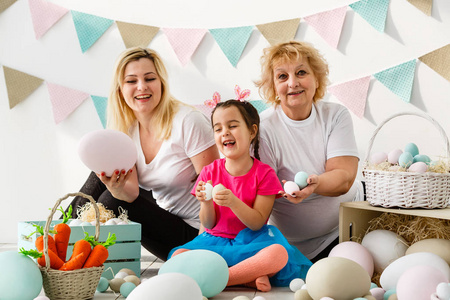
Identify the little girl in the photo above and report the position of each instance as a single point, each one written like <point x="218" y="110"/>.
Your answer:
<point x="235" y="219"/>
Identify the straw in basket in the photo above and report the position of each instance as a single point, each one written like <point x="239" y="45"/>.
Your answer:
<point x="77" y="284"/>
<point x="407" y="189"/>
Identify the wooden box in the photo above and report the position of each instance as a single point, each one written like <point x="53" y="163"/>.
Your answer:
<point x="125" y="253"/>
<point x="354" y="217"/>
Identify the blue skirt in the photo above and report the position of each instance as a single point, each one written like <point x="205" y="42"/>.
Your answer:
<point x="246" y="244"/>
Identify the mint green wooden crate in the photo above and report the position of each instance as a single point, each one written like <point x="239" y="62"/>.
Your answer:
<point x="126" y="253"/>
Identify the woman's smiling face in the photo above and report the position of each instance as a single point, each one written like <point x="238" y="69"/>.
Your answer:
<point x="295" y="84"/>
<point x="141" y="86"/>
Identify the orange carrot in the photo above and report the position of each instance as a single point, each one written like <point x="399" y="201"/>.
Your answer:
<point x="75" y="263"/>
<point x="39" y="243"/>
<point x="55" y="261"/>
<point x="62" y="234"/>
<point x="82" y="246"/>
<point x="100" y="252"/>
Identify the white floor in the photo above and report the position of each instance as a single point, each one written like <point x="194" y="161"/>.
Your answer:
<point x="149" y="268"/>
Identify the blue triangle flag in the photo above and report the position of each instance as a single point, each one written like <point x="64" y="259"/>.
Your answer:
<point x="232" y="41"/>
<point x="373" y="11"/>
<point x="399" y="79"/>
<point x="89" y="28"/>
<point x="100" y="104"/>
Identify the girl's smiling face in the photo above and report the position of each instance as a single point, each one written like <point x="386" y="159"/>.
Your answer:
<point x="295" y="85"/>
<point x="232" y="136"/>
<point x="141" y="86"/>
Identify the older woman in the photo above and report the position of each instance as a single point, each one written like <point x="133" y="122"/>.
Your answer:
<point x="301" y="133"/>
<point x="174" y="143"/>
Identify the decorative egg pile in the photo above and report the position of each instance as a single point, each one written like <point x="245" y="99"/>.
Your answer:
<point x="113" y="221"/>
<point x="124" y="282"/>
<point x="410" y="159"/>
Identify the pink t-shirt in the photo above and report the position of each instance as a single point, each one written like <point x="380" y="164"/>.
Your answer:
<point x="260" y="180"/>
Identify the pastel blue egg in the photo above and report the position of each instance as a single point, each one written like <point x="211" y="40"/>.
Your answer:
<point x="412" y="148"/>
<point x="103" y="284"/>
<point x="373" y="285"/>
<point x="20" y="278"/>
<point x="389" y="293"/>
<point x="207" y="268"/>
<point x="422" y="158"/>
<point x="301" y="179"/>
<point x="126" y="288"/>
<point x="405" y="160"/>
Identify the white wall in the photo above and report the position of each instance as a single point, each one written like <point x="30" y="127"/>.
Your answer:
<point x="38" y="158"/>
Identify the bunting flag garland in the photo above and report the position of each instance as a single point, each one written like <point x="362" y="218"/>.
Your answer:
<point x="259" y="105"/>
<point x="373" y="11"/>
<point x="232" y="41"/>
<point x="439" y="60"/>
<point x="19" y="85"/>
<point x="89" y="28"/>
<point x="100" y="104"/>
<point x="399" y="79"/>
<point x="279" y="32"/>
<point x="184" y="41"/>
<point x="423" y="5"/>
<point x="64" y="100"/>
<point x="44" y="15"/>
<point x="328" y="24"/>
<point x="353" y="94"/>
<point x="135" y="35"/>
<point x="4" y="4"/>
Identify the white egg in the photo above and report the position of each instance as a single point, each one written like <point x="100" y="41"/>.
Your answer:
<point x="121" y="274"/>
<point x="111" y="222"/>
<point x="296" y="284"/>
<point x="418" y="167"/>
<point x="443" y="290"/>
<point x="122" y="223"/>
<point x="259" y="298"/>
<point x="217" y="188"/>
<point x="394" y="155"/>
<point x="75" y="222"/>
<point x="86" y="224"/>
<point x="378" y="158"/>
<point x="290" y="187"/>
<point x="208" y="191"/>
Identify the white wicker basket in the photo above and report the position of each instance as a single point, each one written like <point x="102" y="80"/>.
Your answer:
<point x="407" y="189"/>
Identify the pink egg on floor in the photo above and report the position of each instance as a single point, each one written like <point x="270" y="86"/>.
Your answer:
<point x="419" y="282"/>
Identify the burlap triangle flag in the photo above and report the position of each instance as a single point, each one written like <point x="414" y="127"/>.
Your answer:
<point x="424" y="5"/>
<point x="279" y="32"/>
<point x="19" y="85"/>
<point x="136" y="35"/>
<point x="439" y="60"/>
<point x="4" y="4"/>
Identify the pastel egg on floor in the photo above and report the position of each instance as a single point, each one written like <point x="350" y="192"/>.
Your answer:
<point x="390" y="276"/>
<point x="107" y="150"/>
<point x="412" y="148"/>
<point x="103" y="284"/>
<point x="20" y="277"/>
<point x="405" y="159"/>
<point x="302" y="294"/>
<point x="296" y="284"/>
<point x="378" y="293"/>
<point x="378" y="158"/>
<point x="126" y="288"/>
<point x="207" y="268"/>
<point x="301" y="179"/>
<point x="419" y="282"/>
<point x="443" y="291"/>
<point x="290" y="187"/>
<point x="385" y="246"/>
<point x="356" y="252"/>
<point x="394" y="155"/>
<point x="42" y="298"/>
<point x="168" y="286"/>
<point x="423" y="158"/>
<point x="208" y="191"/>
<point x="418" y="167"/>
<point x="338" y="278"/>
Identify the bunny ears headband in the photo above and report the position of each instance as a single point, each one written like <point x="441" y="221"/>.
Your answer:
<point x="241" y="95"/>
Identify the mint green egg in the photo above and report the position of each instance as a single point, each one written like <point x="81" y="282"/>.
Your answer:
<point x="301" y="179"/>
<point x="405" y="159"/>
<point x="412" y="148"/>
<point x="103" y="284"/>
<point x="423" y="158"/>
<point x="126" y="288"/>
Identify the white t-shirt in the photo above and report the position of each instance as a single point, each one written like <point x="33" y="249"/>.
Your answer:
<point x="291" y="146"/>
<point x="170" y="175"/>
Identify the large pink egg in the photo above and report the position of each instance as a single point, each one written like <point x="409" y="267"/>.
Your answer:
<point x="356" y="252"/>
<point x="107" y="150"/>
<point x="419" y="282"/>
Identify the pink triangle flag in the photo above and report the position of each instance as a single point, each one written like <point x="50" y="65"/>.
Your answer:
<point x="64" y="100"/>
<point x="44" y="15"/>
<point x="353" y="94"/>
<point x="328" y="24"/>
<point x="184" y="41"/>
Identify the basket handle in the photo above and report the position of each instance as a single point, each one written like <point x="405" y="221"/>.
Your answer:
<point x="50" y="218"/>
<point x="425" y="116"/>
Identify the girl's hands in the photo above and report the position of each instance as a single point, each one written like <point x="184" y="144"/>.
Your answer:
<point x="225" y="198"/>
<point x="299" y="196"/>
<point x="199" y="191"/>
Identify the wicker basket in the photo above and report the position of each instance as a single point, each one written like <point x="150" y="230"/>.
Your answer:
<point x="76" y="284"/>
<point x="407" y="189"/>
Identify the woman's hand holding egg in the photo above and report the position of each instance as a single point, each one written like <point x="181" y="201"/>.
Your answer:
<point x="309" y="184"/>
